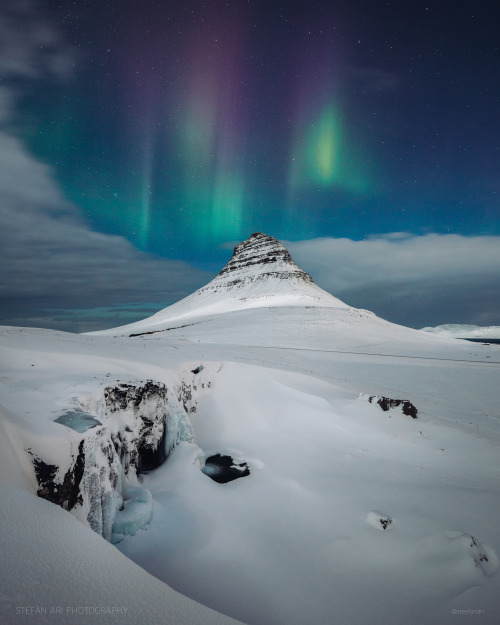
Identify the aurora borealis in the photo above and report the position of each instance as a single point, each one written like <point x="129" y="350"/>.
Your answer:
<point x="183" y="127"/>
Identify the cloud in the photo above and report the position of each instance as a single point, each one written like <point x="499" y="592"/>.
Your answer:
<point x="413" y="280"/>
<point x="29" y="44"/>
<point x="50" y="258"/>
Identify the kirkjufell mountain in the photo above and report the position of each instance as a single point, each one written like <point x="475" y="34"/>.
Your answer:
<point x="262" y="293"/>
<point x="260" y="274"/>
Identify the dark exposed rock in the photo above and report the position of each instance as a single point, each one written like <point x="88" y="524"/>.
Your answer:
<point x="145" y="333"/>
<point x="379" y="520"/>
<point x="64" y="492"/>
<point x="141" y="445"/>
<point x="151" y="455"/>
<point x="262" y="250"/>
<point x="121" y="396"/>
<point x="160" y="331"/>
<point x="386" y="403"/>
<point x="222" y="468"/>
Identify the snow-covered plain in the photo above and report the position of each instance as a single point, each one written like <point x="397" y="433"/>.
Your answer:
<point x="350" y="514"/>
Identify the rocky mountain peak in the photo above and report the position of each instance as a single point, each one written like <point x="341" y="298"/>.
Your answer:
<point x="262" y="256"/>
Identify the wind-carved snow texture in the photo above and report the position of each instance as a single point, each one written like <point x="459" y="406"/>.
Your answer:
<point x="386" y="404"/>
<point x="139" y="429"/>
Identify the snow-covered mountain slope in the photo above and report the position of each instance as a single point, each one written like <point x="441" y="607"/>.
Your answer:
<point x="261" y="297"/>
<point x="260" y="273"/>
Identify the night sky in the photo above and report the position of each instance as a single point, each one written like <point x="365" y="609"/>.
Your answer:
<point x="140" y="141"/>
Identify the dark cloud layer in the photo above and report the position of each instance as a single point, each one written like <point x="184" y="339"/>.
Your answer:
<point x="413" y="280"/>
<point x="51" y="259"/>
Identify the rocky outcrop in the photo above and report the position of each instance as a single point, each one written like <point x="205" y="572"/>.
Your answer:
<point x="140" y="444"/>
<point x="61" y="490"/>
<point x="262" y="256"/>
<point x="261" y="268"/>
<point x="379" y="520"/>
<point x="386" y="404"/>
<point x="193" y="381"/>
<point x="92" y="470"/>
<point x="223" y="468"/>
<point x="88" y="481"/>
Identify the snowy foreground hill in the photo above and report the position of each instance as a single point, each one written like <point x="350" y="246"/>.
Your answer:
<point x="363" y="460"/>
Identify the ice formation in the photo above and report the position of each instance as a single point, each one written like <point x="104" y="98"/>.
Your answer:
<point x="135" y="430"/>
<point x="135" y="514"/>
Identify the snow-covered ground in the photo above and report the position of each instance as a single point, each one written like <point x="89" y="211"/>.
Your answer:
<point x="295" y="541"/>
<point x="350" y="514"/>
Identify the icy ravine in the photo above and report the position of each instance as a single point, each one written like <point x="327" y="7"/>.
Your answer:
<point x="109" y="441"/>
<point x="55" y="569"/>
